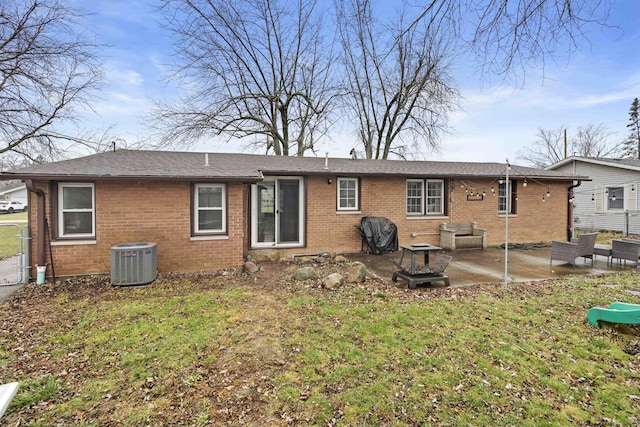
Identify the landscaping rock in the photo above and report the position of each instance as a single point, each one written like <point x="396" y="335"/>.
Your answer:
<point x="250" y="267"/>
<point x="339" y="259"/>
<point x="333" y="281"/>
<point x="305" y="273"/>
<point x="357" y="272"/>
<point x="261" y="255"/>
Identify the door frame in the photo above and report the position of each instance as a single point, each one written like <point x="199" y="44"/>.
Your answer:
<point x="253" y="223"/>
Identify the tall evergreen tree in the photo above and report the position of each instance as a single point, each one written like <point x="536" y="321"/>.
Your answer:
<point x="632" y="144"/>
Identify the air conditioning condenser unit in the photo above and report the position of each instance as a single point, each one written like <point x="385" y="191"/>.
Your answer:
<point x="134" y="263"/>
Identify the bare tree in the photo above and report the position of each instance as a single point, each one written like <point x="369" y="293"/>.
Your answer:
<point x="507" y="37"/>
<point x="595" y="141"/>
<point x="253" y="68"/>
<point x="261" y="70"/>
<point x="589" y="141"/>
<point x="397" y="84"/>
<point x="547" y="149"/>
<point x="47" y="70"/>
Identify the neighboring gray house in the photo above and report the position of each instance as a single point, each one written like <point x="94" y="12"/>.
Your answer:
<point x="610" y="200"/>
<point x="18" y="194"/>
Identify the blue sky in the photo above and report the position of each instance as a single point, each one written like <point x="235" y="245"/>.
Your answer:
<point x="595" y="85"/>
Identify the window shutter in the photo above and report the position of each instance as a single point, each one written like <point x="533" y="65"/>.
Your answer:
<point x="631" y="198"/>
<point x="599" y="198"/>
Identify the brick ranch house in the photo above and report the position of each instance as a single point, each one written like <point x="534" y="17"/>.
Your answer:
<point x="207" y="211"/>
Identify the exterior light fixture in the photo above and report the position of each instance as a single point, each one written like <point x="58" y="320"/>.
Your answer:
<point x="524" y="184"/>
<point x="548" y="192"/>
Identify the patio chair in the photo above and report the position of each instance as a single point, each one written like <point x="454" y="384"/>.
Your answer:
<point x="569" y="251"/>
<point x="625" y="249"/>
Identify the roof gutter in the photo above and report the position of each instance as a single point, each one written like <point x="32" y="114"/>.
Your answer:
<point x="570" y="209"/>
<point x="40" y="228"/>
<point x="69" y="177"/>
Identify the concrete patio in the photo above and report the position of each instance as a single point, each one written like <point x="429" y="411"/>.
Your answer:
<point x="470" y="267"/>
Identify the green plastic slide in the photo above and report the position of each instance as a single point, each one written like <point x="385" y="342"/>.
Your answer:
<point x="618" y="312"/>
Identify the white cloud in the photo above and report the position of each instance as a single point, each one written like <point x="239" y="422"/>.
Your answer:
<point x="118" y="106"/>
<point x="125" y="78"/>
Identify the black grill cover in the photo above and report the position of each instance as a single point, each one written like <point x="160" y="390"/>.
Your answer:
<point x="380" y="234"/>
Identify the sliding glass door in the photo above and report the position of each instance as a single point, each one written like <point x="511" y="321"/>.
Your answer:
<point x="277" y="212"/>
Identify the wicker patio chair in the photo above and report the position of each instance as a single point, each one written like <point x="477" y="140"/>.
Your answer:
<point x="625" y="249"/>
<point x="569" y="251"/>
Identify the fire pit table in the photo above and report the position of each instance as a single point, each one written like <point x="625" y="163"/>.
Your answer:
<point x="416" y="270"/>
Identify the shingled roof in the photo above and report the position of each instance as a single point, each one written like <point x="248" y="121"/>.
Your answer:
<point x="629" y="164"/>
<point x="172" y="165"/>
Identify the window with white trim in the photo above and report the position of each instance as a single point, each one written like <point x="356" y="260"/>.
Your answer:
<point x="615" y="198"/>
<point x="435" y="196"/>
<point x="209" y="209"/>
<point x="76" y="210"/>
<point x="505" y="195"/>
<point x="421" y="203"/>
<point x="348" y="194"/>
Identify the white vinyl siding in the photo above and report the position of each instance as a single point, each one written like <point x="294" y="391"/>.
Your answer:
<point x="598" y="199"/>
<point x="590" y="210"/>
<point x="630" y="198"/>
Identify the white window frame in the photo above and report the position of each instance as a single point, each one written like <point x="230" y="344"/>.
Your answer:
<point x="508" y="197"/>
<point x="427" y="197"/>
<point x="62" y="210"/>
<point x="422" y="196"/>
<point x="254" y="216"/>
<point x="614" y="189"/>
<point x="341" y="202"/>
<point x="197" y="209"/>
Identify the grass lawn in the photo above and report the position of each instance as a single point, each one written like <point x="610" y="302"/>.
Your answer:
<point x="9" y="243"/>
<point x="265" y="350"/>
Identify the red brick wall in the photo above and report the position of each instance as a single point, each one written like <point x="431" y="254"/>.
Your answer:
<point x="534" y="220"/>
<point x="154" y="211"/>
<point x="148" y="211"/>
